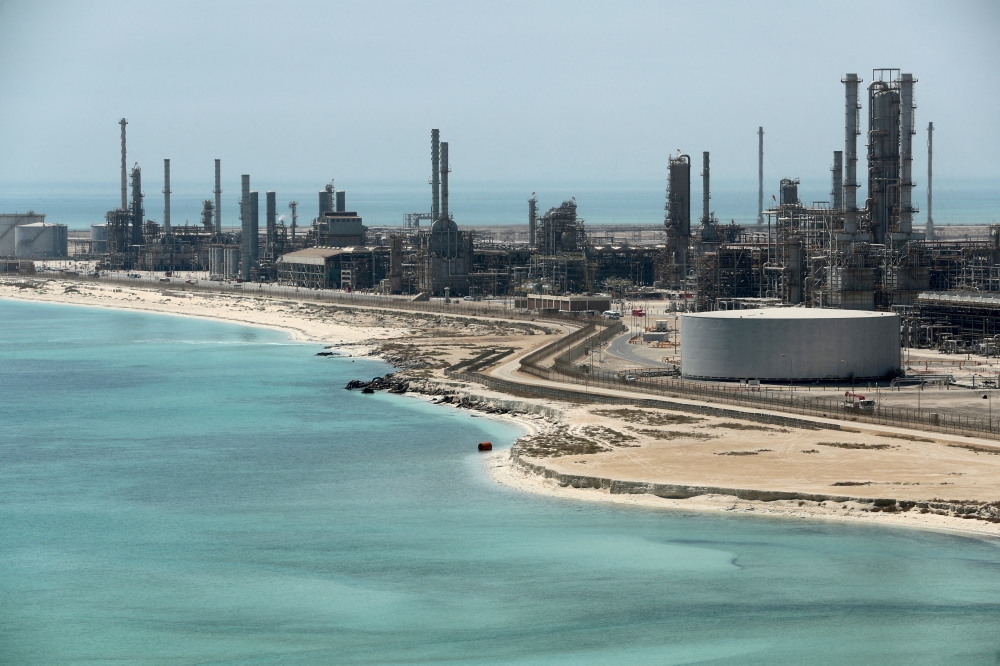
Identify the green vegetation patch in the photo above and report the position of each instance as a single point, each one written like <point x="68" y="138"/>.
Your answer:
<point x="755" y="452"/>
<point x="911" y="438"/>
<point x="608" y="436"/>
<point x="556" y="443"/>
<point x="856" y="445"/>
<point x="732" y="425"/>
<point x="977" y="448"/>
<point x="664" y="435"/>
<point x="643" y="417"/>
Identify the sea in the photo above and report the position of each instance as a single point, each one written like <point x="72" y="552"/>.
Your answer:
<point x="386" y="203"/>
<point x="184" y="491"/>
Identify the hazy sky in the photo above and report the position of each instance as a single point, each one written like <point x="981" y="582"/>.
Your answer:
<point x="524" y="92"/>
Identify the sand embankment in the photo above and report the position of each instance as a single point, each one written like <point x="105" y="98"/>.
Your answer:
<point x="307" y="322"/>
<point x="675" y="460"/>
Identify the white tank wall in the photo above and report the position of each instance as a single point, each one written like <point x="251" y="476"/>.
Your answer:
<point x="40" y="241"/>
<point x="8" y="221"/>
<point x="749" y="344"/>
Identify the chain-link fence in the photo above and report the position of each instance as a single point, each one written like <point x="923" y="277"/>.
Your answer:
<point x="938" y="420"/>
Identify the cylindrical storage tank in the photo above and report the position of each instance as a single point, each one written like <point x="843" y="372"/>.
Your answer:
<point x="232" y="262"/>
<point x="341" y="201"/>
<point x="41" y="240"/>
<point x="216" y="261"/>
<point x="780" y="344"/>
<point x="98" y="238"/>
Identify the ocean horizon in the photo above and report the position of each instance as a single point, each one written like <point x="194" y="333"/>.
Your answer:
<point x="78" y="205"/>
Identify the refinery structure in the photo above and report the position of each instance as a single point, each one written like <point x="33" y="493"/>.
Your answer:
<point x="843" y="253"/>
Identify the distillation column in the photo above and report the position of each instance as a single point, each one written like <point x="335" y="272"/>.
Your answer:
<point x="166" y="197"/>
<point x="272" y="221"/>
<point x="254" y="229"/>
<point x="444" y="180"/>
<point x="532" y="219"/>
<point x="708" y="231"/>
<point x="929" y="232"/>
<point x="837" y="194"/>
<point x="123" y="123"/>
<point x="137" y="210"/>
<point x="851" y="108"/>
<point x="245" y="227"/>
<point x="906" y="132"/>
<point x="760" y="175"/>
<point x="435" y="175"/>
<point x="218" y="196"/>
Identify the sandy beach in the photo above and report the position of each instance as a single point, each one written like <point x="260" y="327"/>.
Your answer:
<point x="622" y="455"/>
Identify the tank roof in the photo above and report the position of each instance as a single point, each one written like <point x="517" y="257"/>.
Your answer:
<point x="789" y="313"/>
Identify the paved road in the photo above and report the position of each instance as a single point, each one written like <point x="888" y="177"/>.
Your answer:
<point x="622" y="349"/>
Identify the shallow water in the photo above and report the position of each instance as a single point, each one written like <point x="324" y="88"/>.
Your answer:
<point x="190" y="492"/>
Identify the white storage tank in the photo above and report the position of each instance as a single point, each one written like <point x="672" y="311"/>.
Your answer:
<point x="98" y="238"/>
<point x="8" y="222"/>
<point x="789" y="343"/>
<point x="40" y="240"/>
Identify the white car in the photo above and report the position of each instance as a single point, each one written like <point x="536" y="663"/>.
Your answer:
<point x="611" y="314"/>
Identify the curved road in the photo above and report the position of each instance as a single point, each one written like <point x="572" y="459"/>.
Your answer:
<point x="622" y="349"/>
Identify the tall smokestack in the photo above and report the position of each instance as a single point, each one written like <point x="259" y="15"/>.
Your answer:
<point x="760" y="175"/>
<point x="245" y="250"/>
<point x="218" y="196"/>
<point x="851" y="108"/>
<point x="444" y="180"/>
<point x="837" y="193"/>
<point x="706" y="192"/>
<point x="906" y="132"/>
<point x="435" y="174"/>
<point x="929" y="231"/>
<point x="123" y="123"/>
<point x="166" y="196"/>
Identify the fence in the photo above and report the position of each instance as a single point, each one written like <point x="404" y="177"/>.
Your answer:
<point x="347" y="299"/>
<point x="577" y="343"/>
<point x="764" y="398"/>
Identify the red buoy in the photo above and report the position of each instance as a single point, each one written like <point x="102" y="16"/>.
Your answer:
<point x="485" y="446"/>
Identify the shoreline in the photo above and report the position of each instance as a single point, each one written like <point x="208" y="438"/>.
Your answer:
<point x="504" y="470"/>
<point x="357" y="338"/>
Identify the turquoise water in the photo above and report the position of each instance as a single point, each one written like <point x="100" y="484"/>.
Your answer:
<point x="176" y="491"/>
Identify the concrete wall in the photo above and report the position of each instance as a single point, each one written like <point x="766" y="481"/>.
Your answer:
<point x="817" y="344"/>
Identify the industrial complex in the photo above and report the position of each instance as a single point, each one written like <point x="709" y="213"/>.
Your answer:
<point x="861" y="259"/>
